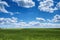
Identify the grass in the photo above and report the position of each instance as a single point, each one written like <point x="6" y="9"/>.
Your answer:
<point x="30" y="34"/>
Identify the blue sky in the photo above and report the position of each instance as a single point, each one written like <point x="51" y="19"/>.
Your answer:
<point x="29" y="13"/>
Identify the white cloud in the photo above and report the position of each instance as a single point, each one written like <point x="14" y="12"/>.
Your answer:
<point x="25" y="3"/>
<point x="2" y="8"/>
<point x="14" y="23"/>
<point x="32" y="24"/>
<point x="23" y="24"/>
<point x="56" y="19"/>
<point x="58" y="5"/>
<point x="40" y="19"/>
<point x="35" y="24"/>
<point x="8" y="20"/>
<point x="49" y="25"/>
<point x="47" y="5"/>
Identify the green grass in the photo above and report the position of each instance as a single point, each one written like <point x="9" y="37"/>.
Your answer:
<point x="30" y="34"/>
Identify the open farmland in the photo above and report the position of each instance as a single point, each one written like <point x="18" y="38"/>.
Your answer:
<point x="30" y="34"/>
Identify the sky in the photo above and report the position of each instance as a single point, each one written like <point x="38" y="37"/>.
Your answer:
<point x="29" y="13"/>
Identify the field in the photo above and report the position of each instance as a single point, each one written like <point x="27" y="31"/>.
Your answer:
<point x="30" y="34"/>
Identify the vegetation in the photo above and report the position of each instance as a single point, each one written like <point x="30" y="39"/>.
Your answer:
<point x="30" y="34"/>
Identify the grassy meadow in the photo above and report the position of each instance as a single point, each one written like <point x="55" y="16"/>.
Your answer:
<point x="30" y="34"/>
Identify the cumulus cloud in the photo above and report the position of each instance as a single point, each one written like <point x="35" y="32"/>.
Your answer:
<point x="34" y="24"/>
<point x="47" y="5"/>
<point x="25" y="3"/>
<point x="56" y="19"/>
<point x="58" y="5"/>
<point x="2" y="7"/>
<point x="13" y="23"/>
<point x="8" y="20"/>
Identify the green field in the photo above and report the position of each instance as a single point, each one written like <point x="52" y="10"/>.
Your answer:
<point x="30" y="34"/>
